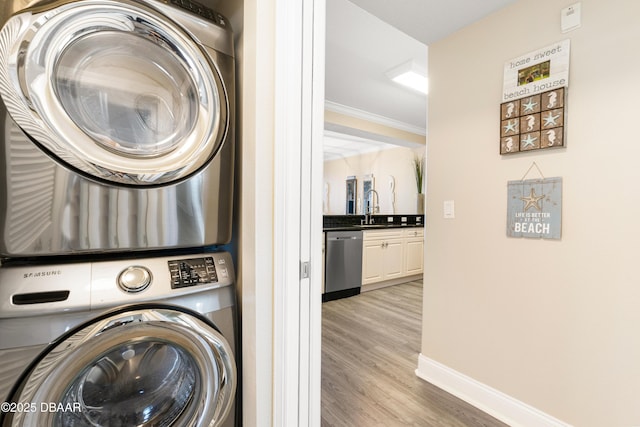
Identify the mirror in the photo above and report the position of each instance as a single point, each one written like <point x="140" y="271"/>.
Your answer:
<point x="351" y="195"/>
<point x="368" y="191"/>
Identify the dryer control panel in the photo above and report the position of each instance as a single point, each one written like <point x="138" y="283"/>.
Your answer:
<point x="192" y="272"/>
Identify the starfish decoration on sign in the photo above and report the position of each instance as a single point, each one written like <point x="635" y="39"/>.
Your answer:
<point x="510" y="127"/>
<point x="529" y="141"/>
<point x="550" y="119"/>
<point x="529" y="105"/>
<point x="532" y="200"/>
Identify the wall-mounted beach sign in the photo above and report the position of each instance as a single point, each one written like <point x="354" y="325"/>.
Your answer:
<point x="532" y="113"/>
<point x="534" y="208"/>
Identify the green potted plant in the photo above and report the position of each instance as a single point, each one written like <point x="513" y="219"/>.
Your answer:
<point x="418" y="169"/>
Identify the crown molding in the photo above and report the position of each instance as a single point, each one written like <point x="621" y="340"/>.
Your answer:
<point x="374" y="118"/>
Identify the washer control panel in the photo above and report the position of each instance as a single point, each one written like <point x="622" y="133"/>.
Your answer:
<point x="27" y="290"/>
<point x="192" y="272"/>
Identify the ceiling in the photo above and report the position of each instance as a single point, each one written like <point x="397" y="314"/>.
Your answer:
<point x="430" y="20"/>
<point x="360" y="49"/>
<point x="367" y="38"/>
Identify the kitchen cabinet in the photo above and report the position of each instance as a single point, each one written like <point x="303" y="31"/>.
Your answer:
<point x="382" y="255"/>
<point x="372" y="259"/>
<point x="393" y="259"/>
<point x="390" y="255"/>
<point x="414" y="251"/>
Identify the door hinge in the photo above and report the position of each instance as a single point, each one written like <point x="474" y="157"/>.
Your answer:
<point x="305" y="266"/>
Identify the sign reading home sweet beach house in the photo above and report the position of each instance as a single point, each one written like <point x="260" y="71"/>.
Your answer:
<point x="532" y="113"/>
<point x="534" y="208"/>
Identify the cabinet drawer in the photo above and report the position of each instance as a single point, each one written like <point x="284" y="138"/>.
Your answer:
<point x="392" y="233"/>
<point x="413" y="232"/>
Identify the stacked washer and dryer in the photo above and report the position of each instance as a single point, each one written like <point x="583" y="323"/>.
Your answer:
<point x="117" y="307"/>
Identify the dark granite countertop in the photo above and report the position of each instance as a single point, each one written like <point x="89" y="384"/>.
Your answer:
<point x="371" y="227"/>
<point x="377" y="222"/>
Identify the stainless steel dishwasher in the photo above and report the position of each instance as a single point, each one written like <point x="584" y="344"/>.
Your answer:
<point x="343" y="264"/>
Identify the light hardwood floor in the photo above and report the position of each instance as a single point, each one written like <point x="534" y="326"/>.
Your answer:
<point x="370" y="347"/>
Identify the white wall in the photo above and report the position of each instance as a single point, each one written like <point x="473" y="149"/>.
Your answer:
<point x="383" y="164"/>
<point x="254" y="23"/>
<point x="554" y="324"/>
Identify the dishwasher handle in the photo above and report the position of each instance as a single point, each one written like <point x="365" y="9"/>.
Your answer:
<point x="344" y="238"/>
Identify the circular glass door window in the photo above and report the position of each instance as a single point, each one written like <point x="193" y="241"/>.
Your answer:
<point x="114" y="90"/>
<point x="143" y="365"/>
<point x="133" y="104"/>
<point x="143" y="383"/>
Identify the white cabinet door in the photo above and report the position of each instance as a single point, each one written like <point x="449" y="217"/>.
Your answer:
<point x="393" y="259"/>
<point x="414" y="251"/>
<point x="372" y="261"/>
<point x="414" y="256"/>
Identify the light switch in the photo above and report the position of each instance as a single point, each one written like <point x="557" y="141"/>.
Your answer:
<point x="570" y="18"/>
<point x="449" y="209"/>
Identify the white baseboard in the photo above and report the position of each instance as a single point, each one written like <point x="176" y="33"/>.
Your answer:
<point x="495" y="403"/>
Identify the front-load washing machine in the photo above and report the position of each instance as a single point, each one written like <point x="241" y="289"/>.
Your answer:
<point x="138" y="342"/>
<point x="116" y="126"/>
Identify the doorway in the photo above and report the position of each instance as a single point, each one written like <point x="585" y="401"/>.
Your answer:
<point x="360" y="49"/>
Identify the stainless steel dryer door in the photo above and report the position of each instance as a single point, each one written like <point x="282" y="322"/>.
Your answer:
<point x="143" y="365"/>
<point x="113" y="90"/>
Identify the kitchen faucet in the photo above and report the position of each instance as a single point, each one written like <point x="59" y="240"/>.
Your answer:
<point x="370" y="210"/>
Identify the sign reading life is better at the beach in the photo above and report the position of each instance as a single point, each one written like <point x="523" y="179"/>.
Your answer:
<point x="534" y="208"/>
<point x="532" y="115"/>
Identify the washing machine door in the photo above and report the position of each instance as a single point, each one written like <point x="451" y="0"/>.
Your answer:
<point x="113" y="90"/>
<point x="136" y="366"/>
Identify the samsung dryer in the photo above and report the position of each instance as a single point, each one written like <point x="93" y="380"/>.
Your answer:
<point x="116" y="126"/>
<point x="149" y="341"/>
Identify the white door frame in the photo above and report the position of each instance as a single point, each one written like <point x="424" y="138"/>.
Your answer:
<point x="299" y="124"/>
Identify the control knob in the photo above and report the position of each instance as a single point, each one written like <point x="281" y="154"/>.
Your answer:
<point x="134" y="279"/>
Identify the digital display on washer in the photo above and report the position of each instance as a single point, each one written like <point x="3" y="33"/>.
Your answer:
<point x="192" y="272"/>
